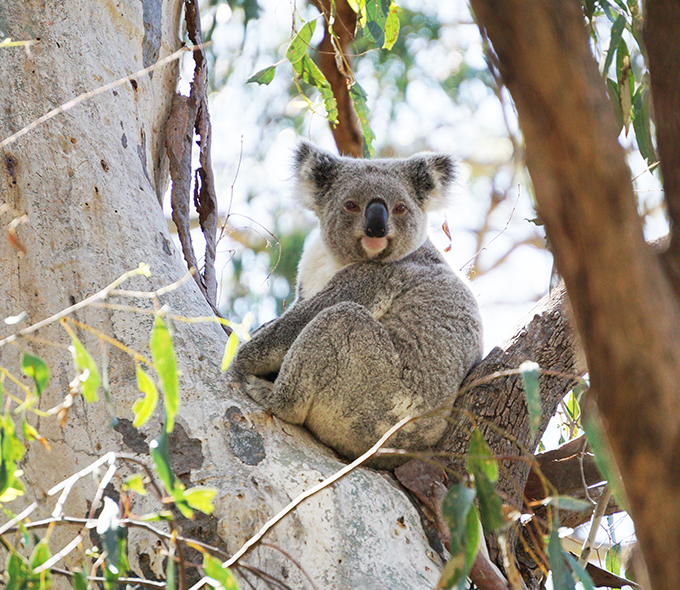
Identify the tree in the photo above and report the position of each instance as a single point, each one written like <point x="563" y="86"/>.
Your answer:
<point x="80" y="200"/>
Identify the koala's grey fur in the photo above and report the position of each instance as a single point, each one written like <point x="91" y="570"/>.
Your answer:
<point x="382" y="327"/>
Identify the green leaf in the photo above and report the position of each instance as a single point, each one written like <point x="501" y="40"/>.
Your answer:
<point x="17" y="571"/>
<point x="459" y="565"/>
<point x="530" y="372"/>
<point x="568" y="503"/>
<point x="136" y="484"/>
<point x="163" y="353"/>
<point x="613" y="93"/>
<point x="484" y="469"/>
<point x="613" y="559"/>
<point x="455" y="508"/>
<point x="41" y="553"/>
<point x="300" y="43"/>
<point x="310" y="73"/>
<point x="561" y="576"/>
<point x="230" y="351"/>
<point x="11" y="451"/>
<point x="89" y="375"/>
<point x="144" y="407"/>
<point x="170" y="568"/>
<point x="264" y="76"/>
<point x="580" y="572"/>
<point x="180" y="500"/>
<point x="161" y="461"/>
<point x="213" y="569"/>
<point x="36" y="369"/>
<point x="376" y="20"/>
<point x="200" y="498"/>
<point x="603" y="457"/>
<point x="359" y="97"/>
<point x="79" y="580"/>
<point x="641" y="123"/>
<point x="391" y="27"/>
<point x="480" y="458"/>
<point x="616" y="32"/>
<point x="626" y="82"/>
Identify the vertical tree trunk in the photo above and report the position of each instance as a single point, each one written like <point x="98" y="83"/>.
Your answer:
<point x="625" y="308"/>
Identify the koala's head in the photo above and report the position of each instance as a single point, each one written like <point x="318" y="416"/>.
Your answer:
<point x="372" y="209"/>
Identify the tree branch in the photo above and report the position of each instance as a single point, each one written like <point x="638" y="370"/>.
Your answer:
<point x="334" y="62"/>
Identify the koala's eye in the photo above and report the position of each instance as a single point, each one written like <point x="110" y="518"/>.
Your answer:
<point x="352" y="207"/>
<point x="399" y="209"/>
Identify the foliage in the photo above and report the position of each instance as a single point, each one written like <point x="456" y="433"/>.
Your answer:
<point x="29" y="560"/>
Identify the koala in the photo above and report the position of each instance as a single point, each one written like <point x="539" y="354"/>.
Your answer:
<point x="381" y="327"/>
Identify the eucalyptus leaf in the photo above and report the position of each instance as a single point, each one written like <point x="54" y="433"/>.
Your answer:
<point x="163" y="353"/>
<point x="35" y="368"/>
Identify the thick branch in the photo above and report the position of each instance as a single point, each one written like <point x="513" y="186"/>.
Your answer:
<point x="624" y="307"/>
<point x="334" y="63"/>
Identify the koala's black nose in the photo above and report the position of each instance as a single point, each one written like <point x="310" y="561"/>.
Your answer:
<point x="376" y="220"/>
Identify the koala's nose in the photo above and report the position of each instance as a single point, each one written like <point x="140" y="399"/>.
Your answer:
<point x="376" y="220"/>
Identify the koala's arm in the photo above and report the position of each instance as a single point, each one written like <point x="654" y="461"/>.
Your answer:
<point x="360" y="283"/>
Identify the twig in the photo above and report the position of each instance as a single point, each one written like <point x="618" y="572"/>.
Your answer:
<point x="71" y="103"/>
<point x="598" y="513"/>
<point x="140" y="581"/>
<point x="60" y="555"/>
<point x="142" y="269"/>
<point x="18" y="518"/>
<point x="290" y="557"/>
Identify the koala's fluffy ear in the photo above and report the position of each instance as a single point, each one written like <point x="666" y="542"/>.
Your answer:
<point x="431" y="176"/>
<point x="315" y="171"/>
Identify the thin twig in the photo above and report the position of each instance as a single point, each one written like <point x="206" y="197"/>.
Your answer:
<point x="140" y="581"/>
<point x="71" y="103"/>
<point x="18" y="518"/>
<point x="302" y="497"/>
<point x="598" y="513"/>
<point x="142" y="269"/>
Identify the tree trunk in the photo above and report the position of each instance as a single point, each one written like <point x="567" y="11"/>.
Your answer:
<point x="624" y="304"/>
<point x="88" y="183"/>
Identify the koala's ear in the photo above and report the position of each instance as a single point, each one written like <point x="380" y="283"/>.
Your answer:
<point x="315" y="171"/>
<point x="431" y="176"/>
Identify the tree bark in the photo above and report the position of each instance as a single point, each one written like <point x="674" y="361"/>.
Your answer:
<point x="81" y="196"/>
<point x="334" y="61"/>
<point x="624" y="305"/>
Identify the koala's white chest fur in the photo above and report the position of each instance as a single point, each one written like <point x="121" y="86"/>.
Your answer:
<point x="316" y="267"/>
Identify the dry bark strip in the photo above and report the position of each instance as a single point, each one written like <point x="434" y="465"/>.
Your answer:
<point x="190" y="114"/>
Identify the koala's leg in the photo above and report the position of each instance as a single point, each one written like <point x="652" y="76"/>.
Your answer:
<point x="342" y="379"/>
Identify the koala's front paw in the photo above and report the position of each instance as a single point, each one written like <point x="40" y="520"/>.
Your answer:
<point x="257" y="357"/>
<point x="258" y="389"/>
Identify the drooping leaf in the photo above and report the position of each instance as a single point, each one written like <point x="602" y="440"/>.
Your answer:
<point x="479" y="457"/>
<point x="170" y="567"/>
<point x="359" y="97"/>
<point x="310" y="73"/>
<point x="613" y="94"/>
<point x="615" y="38"/>
<point x="530" y="372"/>
<point x="88" y="372"/>
<point x="603" y="456"/>
<point x="300" y="43"/>
<point x="263" y="77"/>
<point x="17" y="571"/>
<point x="79" y="580"/>
<point x="11" y="451"/>
<point x="36" y="369"/>
<point x="580" y="572"/>
<point x="391" y="27"/>
<point x="144" y="407"/>
<point x="561" y="576"/>
<point x="484" y="469"/>
<point x="41" y="553"/>
<point x="455" y="507"/>
<point x="641" y="123"/>
<point x="200" y="498"/>
<point x="230" y="351"/>
<point x="376" y="19"/>
<point x="459" y="565"/>
<point x="161" y="461"/>
<point x="223" y="576"/>
<point x="163" y="353"/>
<point x="626" y="82"/>
<point x="568" y="503"/>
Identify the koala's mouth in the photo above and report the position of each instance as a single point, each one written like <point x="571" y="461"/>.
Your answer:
<point x="374" y="247"/>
